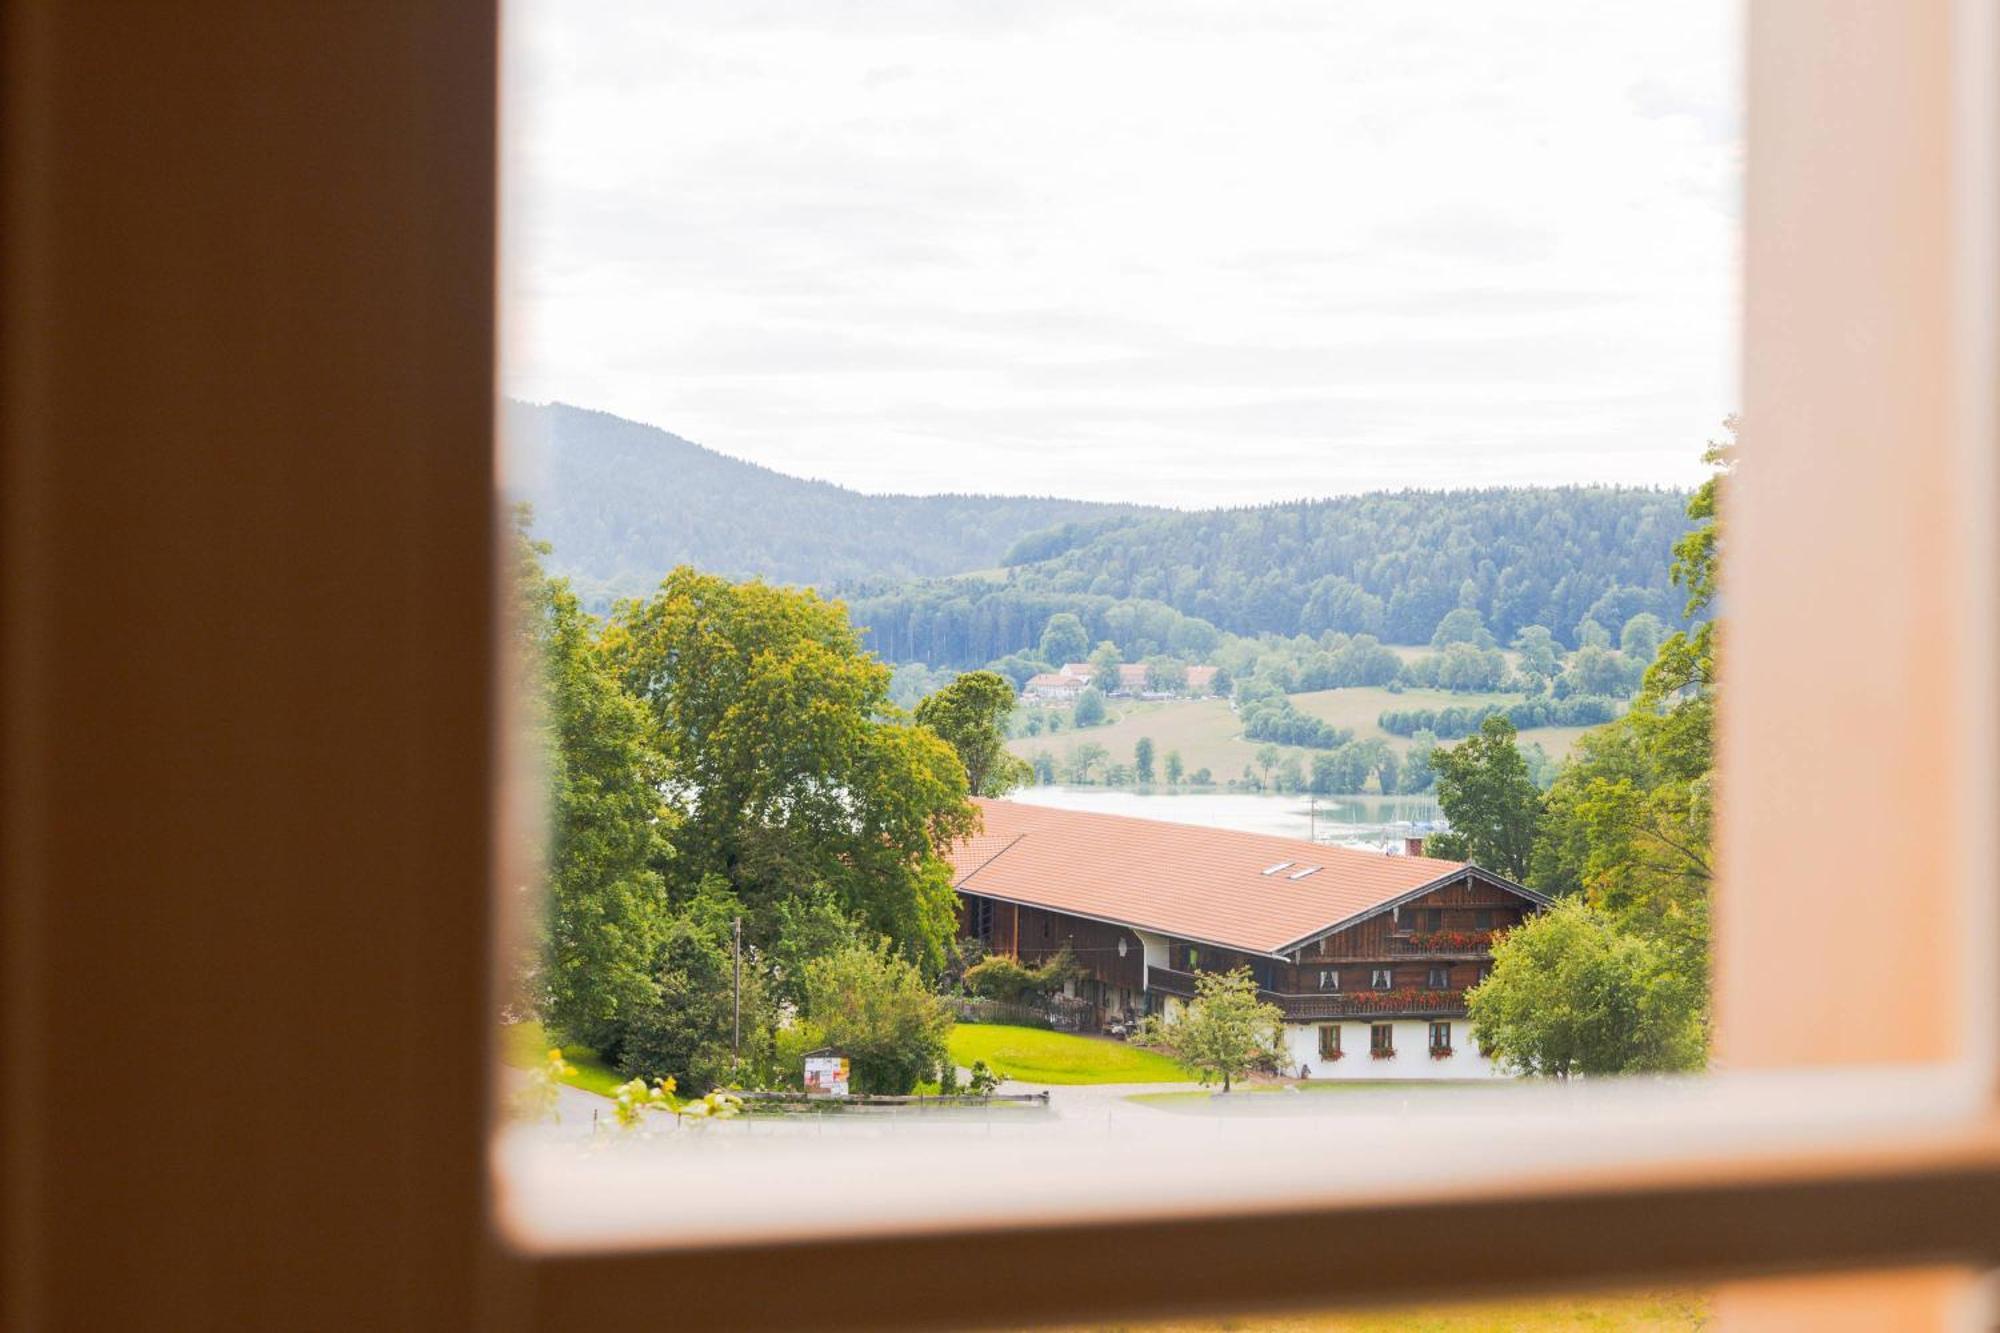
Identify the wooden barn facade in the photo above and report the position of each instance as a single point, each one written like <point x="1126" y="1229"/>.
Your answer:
<point x="1368" y="956"/>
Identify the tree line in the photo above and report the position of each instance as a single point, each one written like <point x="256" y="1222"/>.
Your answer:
<point x="1389" y="565"/>
<point x="1460" y="721"/>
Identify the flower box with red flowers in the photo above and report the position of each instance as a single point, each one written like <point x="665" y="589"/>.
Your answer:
<point x="1440" y="1052"/>
<point x="1451" y="941"/>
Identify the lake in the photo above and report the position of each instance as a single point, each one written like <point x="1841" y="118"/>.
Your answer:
<point x="1375" y="820"/>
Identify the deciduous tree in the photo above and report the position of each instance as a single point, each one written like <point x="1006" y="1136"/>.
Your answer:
<point x="606" y="905"/>
<point x="971" y="715"/>
<point x="785" y="771"/>
<point x="1090" y="707"/>
<point x="874" y="1006"/>
<point x="1570" y="993"/>
<point x="1226" y="1031"/>
<point x="1064" y="639"/>
<point x="1487" y="793"/>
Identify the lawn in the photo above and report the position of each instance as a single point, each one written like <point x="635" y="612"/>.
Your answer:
<point x="526" y="1046"/>
<point x="1033" y="1055"/>
<point x="1647" y="1312"/>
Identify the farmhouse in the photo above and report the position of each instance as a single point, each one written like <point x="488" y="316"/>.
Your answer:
<point x="1368" y="956"/>
<point x="1055" y="685"/>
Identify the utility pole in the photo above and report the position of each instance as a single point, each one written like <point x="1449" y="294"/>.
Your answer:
<point x="1312" y="819"/>
<point x="736" y="998"/>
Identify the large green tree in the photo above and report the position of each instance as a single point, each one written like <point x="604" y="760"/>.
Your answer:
<point x="605" y="912"/>
<point x="1486" y="791"/>
<point x="1571" y="993"/>
<point x="788" y="769"/>
<point x="971" y="715"/>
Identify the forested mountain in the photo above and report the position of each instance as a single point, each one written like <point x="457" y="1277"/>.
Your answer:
<point x="1388" y="564"/>
<point x="622" y="503"/>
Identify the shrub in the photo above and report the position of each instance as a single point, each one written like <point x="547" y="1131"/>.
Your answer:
<point x="1002" y="978"/>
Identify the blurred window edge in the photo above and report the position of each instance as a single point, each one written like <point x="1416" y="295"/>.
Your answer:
<point x="1868" y="487"/>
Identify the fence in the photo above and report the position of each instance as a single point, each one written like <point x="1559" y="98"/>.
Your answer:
<point x="1059" y="1013"/>
<point x="918" y="1099"/>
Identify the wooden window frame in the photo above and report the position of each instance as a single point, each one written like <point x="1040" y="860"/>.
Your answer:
<point x="247" y="360"/>
<point x="1431" y="1035"/>
<point x="1326" y="1051"/>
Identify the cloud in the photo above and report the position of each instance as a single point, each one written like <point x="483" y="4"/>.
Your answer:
<point x="1081" y="247"/>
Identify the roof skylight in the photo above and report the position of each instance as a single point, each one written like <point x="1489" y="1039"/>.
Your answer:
<point x="1272" y="870"/>
<point x="1301" y="874"/>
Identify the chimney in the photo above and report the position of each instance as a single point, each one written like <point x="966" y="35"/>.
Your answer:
<point x="1413" y="846"/>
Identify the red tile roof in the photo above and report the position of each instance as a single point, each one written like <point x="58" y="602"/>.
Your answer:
<point x="1196" y="883"/>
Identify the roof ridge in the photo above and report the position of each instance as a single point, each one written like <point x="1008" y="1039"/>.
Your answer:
<point x="1319" y="848"/>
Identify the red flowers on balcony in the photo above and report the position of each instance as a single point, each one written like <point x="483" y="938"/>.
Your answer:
<point x="1450" y="941"/>
<point x="1403" y="997"/>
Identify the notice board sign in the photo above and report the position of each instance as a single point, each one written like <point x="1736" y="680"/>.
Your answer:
<point x="826" y="1074"/>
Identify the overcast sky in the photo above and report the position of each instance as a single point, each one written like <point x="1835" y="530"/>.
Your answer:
<point x="1184" y="253"/>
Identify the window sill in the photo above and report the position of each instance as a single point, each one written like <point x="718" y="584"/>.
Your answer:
<point x="1661" y="1181"/>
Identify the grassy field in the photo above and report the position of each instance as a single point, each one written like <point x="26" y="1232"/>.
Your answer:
<point x="1035" y="1056"/>
<point x="526" y="1046"/>
<point x="1358" y="707"/>
<point x="1208" y="735"/>
<point x="1638" y="1312"/>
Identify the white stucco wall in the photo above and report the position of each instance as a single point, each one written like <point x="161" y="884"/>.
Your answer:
<point x="1156" y="951"/>
<point x="1413" y="1056"/>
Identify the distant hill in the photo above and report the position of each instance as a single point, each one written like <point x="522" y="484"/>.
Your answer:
<point x="1388" y="563"/>
<point x="623" y="503"/>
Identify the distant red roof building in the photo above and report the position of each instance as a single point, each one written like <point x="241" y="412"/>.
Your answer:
<point x="1367" y="956"/>
<point x="1181" y="879"/>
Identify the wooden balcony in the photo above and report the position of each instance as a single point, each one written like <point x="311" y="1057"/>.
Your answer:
<point x="1405" y="1002"/>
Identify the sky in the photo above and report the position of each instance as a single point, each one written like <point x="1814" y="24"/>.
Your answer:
<point x="1181" y="253"/>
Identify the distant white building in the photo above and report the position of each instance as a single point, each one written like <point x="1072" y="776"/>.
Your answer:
<point x="1055" y="686"/>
